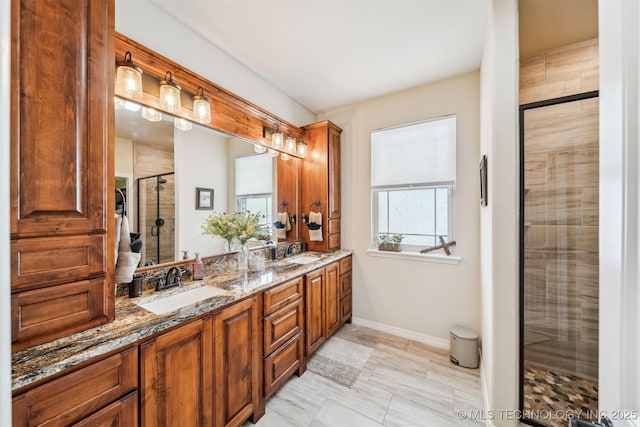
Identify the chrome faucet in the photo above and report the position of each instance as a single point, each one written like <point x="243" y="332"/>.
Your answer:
<point x="290" y="250"/>
<point x="171" y="280"/>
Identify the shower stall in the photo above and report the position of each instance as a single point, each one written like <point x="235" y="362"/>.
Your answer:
<point x="157" y="218"/>
<point x="559" y="259"/>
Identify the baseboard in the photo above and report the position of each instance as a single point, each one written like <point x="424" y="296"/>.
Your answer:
<point x="429" y="340"/>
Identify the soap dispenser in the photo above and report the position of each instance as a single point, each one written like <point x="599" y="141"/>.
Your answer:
<point x="197" y="268"/>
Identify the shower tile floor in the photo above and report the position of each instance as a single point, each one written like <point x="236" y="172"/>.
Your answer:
<point x="553" y="394"/>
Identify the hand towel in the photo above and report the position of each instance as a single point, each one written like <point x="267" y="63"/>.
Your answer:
<point x="127" y="260"/>
<point x="283" y="219"/>
<point x="315" y="218"/>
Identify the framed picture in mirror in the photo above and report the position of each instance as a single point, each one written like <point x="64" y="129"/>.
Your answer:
<point x="204" y="199"/>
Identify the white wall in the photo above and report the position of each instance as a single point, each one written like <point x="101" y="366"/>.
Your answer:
<point x="5" y="276"/>
<point x="422" y="297"/>
<point x="149" y="25"/>
<point x="619" y="343"/>
<point x="499" y="220"/>
<point x="200" y="161"/>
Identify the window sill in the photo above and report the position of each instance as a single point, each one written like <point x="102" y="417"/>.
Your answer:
<point x="416" y="256"/>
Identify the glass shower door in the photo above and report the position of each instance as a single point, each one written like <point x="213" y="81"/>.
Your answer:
<point x="156" y="218"/>
<point x="559" y="260"/>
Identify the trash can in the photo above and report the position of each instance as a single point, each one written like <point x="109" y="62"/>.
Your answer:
<point x="463" y="347"/>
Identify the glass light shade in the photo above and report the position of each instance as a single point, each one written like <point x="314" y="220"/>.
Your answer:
<point x="302" y="149"/>
<point x="151" y="114"/>
<point x="277" y="139"/>
<point x="201" y="107"/>
<point x="170" y="98"/>
<point x="128" y="79"/>
<point x="259" y="148"/>
<point x="182" y="124"/>
<point x="285" y="156"/>
<point x="132" y="106"/>
<point x="291" y="144"/>
<point x="273" y="153"/>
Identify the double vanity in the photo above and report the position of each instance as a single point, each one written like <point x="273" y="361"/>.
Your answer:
<point x="211" y="360"/>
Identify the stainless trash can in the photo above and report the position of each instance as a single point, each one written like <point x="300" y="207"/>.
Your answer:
<point x="463" y="347"/>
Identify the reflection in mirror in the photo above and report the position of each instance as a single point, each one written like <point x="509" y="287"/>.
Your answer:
<point x="158" y="169"/>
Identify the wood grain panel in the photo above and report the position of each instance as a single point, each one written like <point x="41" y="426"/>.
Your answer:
<point x="74" y="396"/>
<point x="288" y="172"/>
<point x="51" y="260"/>
<point x="282" y="295"/>
<point x="345" y="284"/>
<point x="121" y="413"/>
<point x="314" y="312"/>
<point x="56" y="309"/>
<point x="279" y="366"/>
<point x="332" y="299"/>
<point x="345" y="308"/>
<point x="60" y="126"/>
<point x="282" y="325"/>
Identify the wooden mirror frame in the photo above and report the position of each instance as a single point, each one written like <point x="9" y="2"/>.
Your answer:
<point x="230" y="113"/>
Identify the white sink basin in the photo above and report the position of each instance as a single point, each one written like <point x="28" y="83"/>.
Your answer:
<point x="301" y="259"/>
<point x="182" y="299"/>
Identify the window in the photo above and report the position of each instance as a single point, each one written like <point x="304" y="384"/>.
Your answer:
<point x="413" y="177"/>
<point x="254" y="185"/>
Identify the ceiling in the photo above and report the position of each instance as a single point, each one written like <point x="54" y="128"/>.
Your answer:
<point x="326" y="54"/>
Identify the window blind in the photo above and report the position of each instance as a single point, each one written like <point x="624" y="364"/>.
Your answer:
<point x="421" y="153"/>
<point x="254" y="175"/>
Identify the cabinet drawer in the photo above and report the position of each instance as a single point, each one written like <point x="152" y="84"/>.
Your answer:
<point x="282" y="325"/>
<point x="282" y="295"/>
<point x="122" y="413"/>
<point x="345" y="308"/>
<point x="56" y="260"/>
<point x="72" y="397"/>
<point x="282" y="364"/>
<point x="345" y="264"/>
<point x="345" y="284"/>
<point x="58" y="310"/>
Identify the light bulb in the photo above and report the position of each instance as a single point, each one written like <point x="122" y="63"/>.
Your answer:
<point x="291" y="144"/>
<point x="277" y="139"/>
<point x="128" y="78"/>
<point x="273" y="153"/>
<point x="151" y="114"/>
<point x="259" y="148"/>
<point x="302" y="149"/>
<point x="182" y="124"/>
<point x="285" y="156"/>
<point x="201" y="107"/>
<point x="170" y="94"/>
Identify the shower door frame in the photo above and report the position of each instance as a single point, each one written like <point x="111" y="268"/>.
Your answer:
<point x="522" y="109"/>
<point x="140" y="228"/>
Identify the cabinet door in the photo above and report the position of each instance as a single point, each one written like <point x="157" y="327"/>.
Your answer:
<point x="121" y="413"/>
<point x="237" y="363"/>
<point x="334" y="173"/>
<point x="62" y="110"/>
<point x="314" y="296"/>
<point x="176" y="377"/>
<point x="332" y="315"/>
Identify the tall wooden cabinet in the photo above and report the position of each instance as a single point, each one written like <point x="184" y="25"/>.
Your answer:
<point x="322" y="297"/>
<point x="320" y="182"/>
<point x="61" y="167"/>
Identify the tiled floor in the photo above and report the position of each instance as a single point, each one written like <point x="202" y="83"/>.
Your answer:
<point x="398" y="383"/>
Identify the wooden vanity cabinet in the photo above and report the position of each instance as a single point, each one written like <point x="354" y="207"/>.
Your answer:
<point x="237" y="359"/>
<point x="176" y="377"/>
<point x="283" y="332"/>
<point x="61" y="168"/>
<point x="102" y="393"/>
<point x="345" y="289"/>
<point x="322" y="305"/>
<point x="320" y="181"/>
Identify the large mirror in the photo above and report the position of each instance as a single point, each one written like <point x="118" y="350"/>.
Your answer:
<point x="172" y="179"/>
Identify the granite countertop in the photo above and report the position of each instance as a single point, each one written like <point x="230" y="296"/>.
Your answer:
<point x="133" y="323"/>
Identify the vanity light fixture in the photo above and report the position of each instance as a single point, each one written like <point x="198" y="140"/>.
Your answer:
<point x="201" y="107"/>
<point x="273" y="153"/>
<point x="259" y="148"/>
<point x="302" y="149"/>
<point x="291" y="144"/>
<point x="128" y="78"/>
<point x="182" y="124"/>
<point x="285" y="156"/>
<point x="277" y="139"/>
<point x="170" y="94"/>
<point x="151" y="114"/>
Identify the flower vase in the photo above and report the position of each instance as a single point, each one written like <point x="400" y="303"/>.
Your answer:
<point x="243" y="257"/>
<point x="229" y="244"/>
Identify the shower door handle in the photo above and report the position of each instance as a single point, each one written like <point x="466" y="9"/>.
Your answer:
<point x="155" y="231"/>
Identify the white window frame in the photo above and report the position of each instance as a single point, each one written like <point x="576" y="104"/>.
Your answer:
<point x="411" y="251"/>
